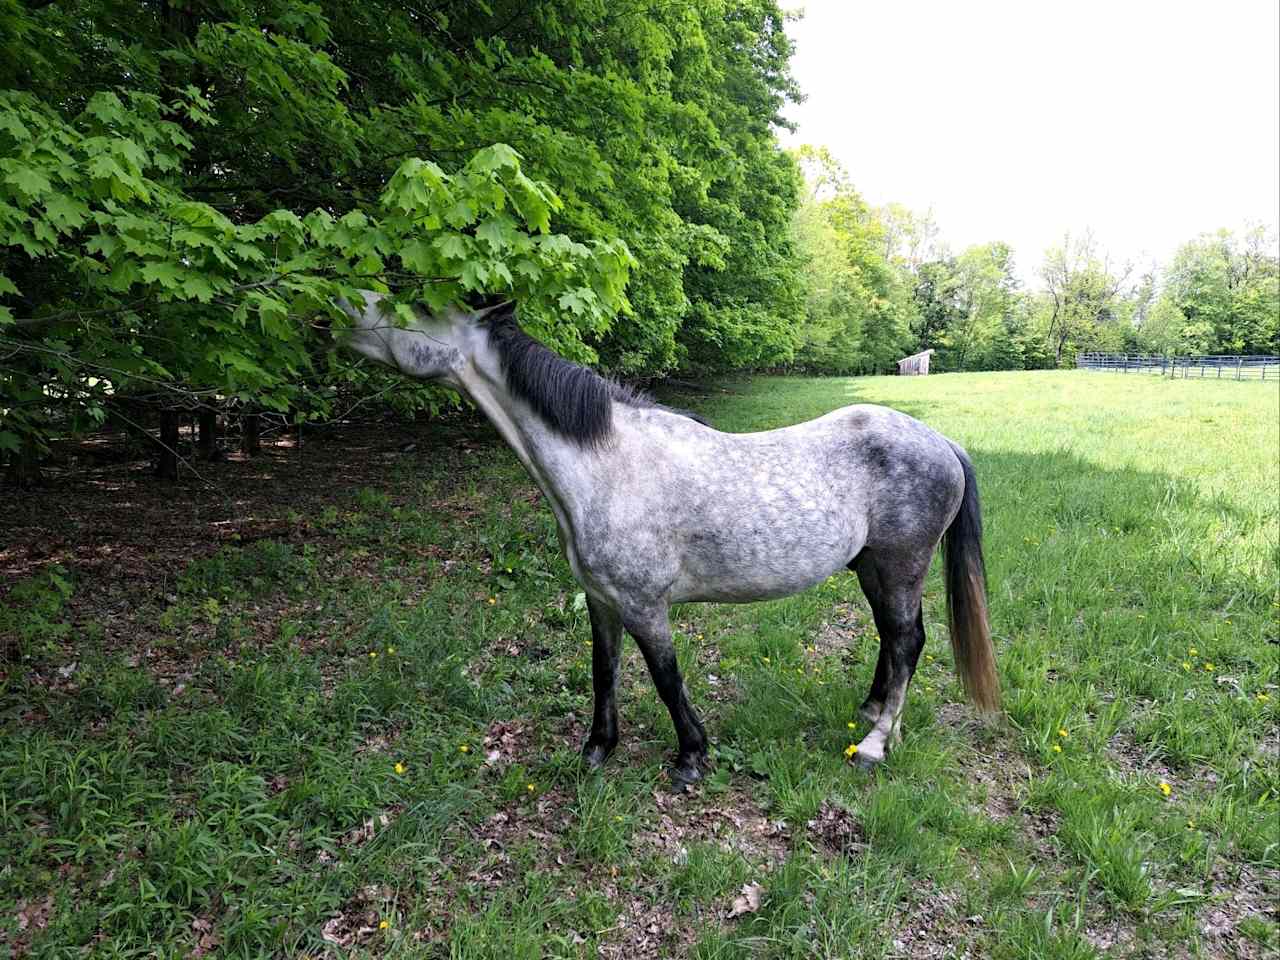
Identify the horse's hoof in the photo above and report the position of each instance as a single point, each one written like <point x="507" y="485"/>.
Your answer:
<point x="687" y="771"/>
<point x="866" y="761"/>
<point x="594" y="755"/>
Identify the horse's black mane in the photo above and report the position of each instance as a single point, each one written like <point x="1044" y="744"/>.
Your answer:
<point x="573" y="401"/>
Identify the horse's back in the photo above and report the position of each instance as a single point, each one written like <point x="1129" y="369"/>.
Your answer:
<point x="707" y="515"/>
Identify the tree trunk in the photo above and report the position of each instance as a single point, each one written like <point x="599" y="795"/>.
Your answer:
<point x="167" y="449"/>
<point x="250" y="425"/>
<point x="207" y="443"/>
<point x="24" y="464"/>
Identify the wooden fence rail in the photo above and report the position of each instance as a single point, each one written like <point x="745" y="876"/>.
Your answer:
<point x="1197" y="367"/>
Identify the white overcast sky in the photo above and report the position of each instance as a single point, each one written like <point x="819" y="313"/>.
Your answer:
<point x="1147" y="122"/>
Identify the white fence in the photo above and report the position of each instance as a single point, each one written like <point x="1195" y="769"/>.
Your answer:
<point x="1196" y="367"/>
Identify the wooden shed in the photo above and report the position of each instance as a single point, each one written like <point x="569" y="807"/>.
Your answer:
<point x="915" y="365"/>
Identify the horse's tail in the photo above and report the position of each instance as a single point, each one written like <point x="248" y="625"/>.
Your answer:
<point x="967" y="597"/>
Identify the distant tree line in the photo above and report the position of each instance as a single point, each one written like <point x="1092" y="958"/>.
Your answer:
<point x="879" y="285"/>
<point x="186" y="186"/>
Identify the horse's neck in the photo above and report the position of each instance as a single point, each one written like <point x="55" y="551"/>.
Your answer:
<point x="553" y="461"/>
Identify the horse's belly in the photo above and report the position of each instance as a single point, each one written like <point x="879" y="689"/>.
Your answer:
<point x="740" y="565"/>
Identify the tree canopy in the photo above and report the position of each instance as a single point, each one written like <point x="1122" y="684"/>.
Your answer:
<point x="185" y="186"/>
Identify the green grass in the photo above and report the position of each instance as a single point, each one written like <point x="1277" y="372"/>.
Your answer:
<point x="233" y="788"/>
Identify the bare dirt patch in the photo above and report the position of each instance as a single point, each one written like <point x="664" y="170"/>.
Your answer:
<point x="842" y="631"/>
<point x="838" y="831"/>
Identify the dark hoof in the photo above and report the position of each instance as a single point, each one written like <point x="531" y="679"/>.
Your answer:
<point x="595" y="754"/>
<point x="688" y="770"/>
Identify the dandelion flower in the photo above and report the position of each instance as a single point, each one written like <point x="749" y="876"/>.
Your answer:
<point x="399" y="768"/>
<point x="765" y="659"/>
<point x="1062" y="732"/>
<point x="384" y="924"/>
<point x="373" y="654"/>
<point x="464" y="748"/>
<point x="530" y="787"/>
<point x="391" y="650"/>
<point x="850" y="750"/>
<point x="928" y="658"/>
<point x="1191" y="824"/>
<point x="1186" y="664"/>
<point x="1263" y="697"/>
<point x="851" y="724"/>
<point x="493" y="600"/>
<point x="1193" y="651"/>
<point x="1208" y="666"/>
<point x="1165" y="788"/>
<point x="1057" y="748"/>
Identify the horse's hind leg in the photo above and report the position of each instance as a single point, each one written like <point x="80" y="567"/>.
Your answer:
<point x="652" y="631"/>
<point x="874" y="703"/>
<point x="606" y="634"/>
<point x="893" y="585"/>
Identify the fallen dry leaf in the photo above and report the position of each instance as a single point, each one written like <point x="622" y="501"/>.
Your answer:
<point x="748" y="902"/>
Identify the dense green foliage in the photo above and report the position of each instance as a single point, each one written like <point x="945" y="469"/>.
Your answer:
<point x="183" y="185"/>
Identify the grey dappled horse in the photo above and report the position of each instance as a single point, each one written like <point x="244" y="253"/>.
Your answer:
<point x="654" y="508"/>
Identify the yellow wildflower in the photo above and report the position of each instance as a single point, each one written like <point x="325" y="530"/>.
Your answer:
<point x="1165" y="788"/>
<point x="464" y="748"/>
<point x="851" y="724"/>
<point x="373" y="655"/>
<point x="1208" y="666"/>
<point x="530" y="787"/>
<point x="850" y="750"/>
<point x="1263" y="697"/>
<point x="391" y="650"/>
<point x="1193" y="651"/>
<point x="1057" y="748"/>
<point x="1062" y="732"/>
<point x="1191" y="824"/>
<point x="384" y="924"/>
<point x="765" y="659"/>
<point x="1186" y="664"/>
<point x="399" y="768"/>
<point x="493" y="600"/>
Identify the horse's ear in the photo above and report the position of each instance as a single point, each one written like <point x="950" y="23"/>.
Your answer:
<point x="494" y="310"/>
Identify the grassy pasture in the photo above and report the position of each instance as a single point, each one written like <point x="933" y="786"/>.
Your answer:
<point x="358" y="737"/>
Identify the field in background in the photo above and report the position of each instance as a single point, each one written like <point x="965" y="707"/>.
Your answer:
<point x="352" y="729"/>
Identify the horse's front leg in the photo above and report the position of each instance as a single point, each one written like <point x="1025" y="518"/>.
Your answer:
<point x="606" y="648"/>
<point x="652" y="631"/>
